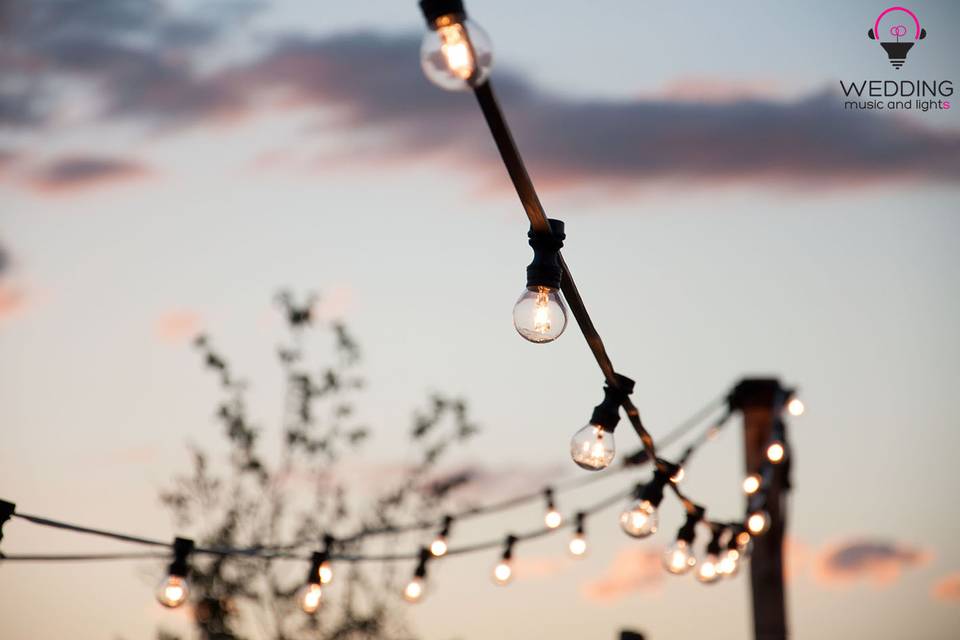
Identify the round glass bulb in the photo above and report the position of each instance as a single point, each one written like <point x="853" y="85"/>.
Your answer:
<point x="413" y="592"/>
<point x="540" y="314"/>
<point x="743" y="541"/>
<point x="758" y="523"/>
<point x="578" y="545"/>
<point x="172" y="591"/>
<point x="678" y="475"/>
<point x="592" y="448"/>
<point x="751" y="484"/>
<point x="456" y="55"/>
<point x="503" y="573"/>
<point x="729" y="563"/>
<point x="795" y="407"/>
<point x="708" y="572"/>
<point x="639" y="520"/>
<point x="679" y="558"/>
<point x="775" y="452"/>
<point x="325" y="572"/>
<point x="552" y="519"/>
<point x="309" y="597"/>
<point x="438" y="547"/>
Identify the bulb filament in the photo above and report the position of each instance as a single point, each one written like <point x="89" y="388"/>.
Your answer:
<point x="457" y="51"/>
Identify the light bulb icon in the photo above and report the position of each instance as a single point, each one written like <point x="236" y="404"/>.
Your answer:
<point x="894" y="42"/>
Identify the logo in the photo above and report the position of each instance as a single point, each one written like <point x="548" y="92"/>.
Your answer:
<point x="898" y="39"/>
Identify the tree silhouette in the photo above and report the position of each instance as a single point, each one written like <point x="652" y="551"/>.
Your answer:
<point x="255" y="499"/>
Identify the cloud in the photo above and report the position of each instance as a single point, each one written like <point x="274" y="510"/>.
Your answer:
<point x="84" y="171"/>
<point x="695" y="131"/>
<point x="178" y="325"/>
<point x="879" y="563"/>
<point x="633" y="569"/>
<point x="12" y="300"/>
<point x="947" y="589"/>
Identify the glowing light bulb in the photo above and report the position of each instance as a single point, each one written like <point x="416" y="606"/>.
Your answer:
<point x="540" y="314"/>
<point x="678" y="475"/>
<point x="173" y="591"/>
<point x="795" y="407"/>
<point x="775" y="452"/>
<point x="743" y="540"/>
<point x="640" y="519"/>
<point x="503" y="573"/>
<point x="439" y="546"/>
<point x="578" y="545"/>
<point x="758" y="522"/>
<point x="729" y="563"/>
<point x="456" y="54"/>
<point x="679" y="558"/>
<point x="553" y="519"/>
<point x="325" y="572"/>
<point x="592" y="448"/>
<point x="708" y="571"/>
<point x="751" y="484"/>
<point x="309" y="597"/>
<point x="413" y="591"/>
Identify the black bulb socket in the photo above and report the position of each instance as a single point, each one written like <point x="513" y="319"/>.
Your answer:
<point x="607" y="413"/>
<point x="182" y="548"/>
<point x="545" y="270"/>
<point x="688" y="531"/>
<point x="436" y="9"/>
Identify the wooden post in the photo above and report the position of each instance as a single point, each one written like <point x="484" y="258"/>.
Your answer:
<point x="760" y="401"/>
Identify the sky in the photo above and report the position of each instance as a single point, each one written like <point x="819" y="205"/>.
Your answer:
<point x="166" y="167"/>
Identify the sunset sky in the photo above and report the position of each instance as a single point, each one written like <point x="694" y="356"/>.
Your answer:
<point x="167" y="166"/>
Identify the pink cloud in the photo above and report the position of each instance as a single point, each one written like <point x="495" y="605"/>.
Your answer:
<point x="633" y="569"/>
<point x="879" y="563"/>
<point x="178" y="325"/>
<point x="947" y="588"/>
<point x="12" y="300"/>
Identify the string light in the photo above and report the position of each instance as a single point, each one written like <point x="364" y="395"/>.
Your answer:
<point x="540" y="314"/>
<point x="640" y="518"/>
<point x="677" y="476"/>
<point x="729" y="564"/>
<point x="679" y="558"/>
<point x="578" y="543"/>
<point x="593" y="447"/>
<point x="709" y="572"/>
<point x="552" y="518"/>
<point x="776" y="452"/>
<point x="751" y="484"/>
<point x="456" y="53"/>
<point x="758" y="522"/>
<point x="325" y="569"/>
<point x="439" y="547"/>
<point x="414" y="590"/>
<point x="503" y="570"/>
<point x="174" y="589"/>
<point x="310" y="594"/>
<point x="795" y="407"/>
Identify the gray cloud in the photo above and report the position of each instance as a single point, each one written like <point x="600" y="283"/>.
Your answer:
<point x="877" y="561"/>
<point x="375" y="80"/>
<point x="82" y="171"/>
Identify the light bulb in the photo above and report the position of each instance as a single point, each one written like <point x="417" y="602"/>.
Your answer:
<point x="413" y="592"/>
<point x="456" y="55"/>
<point x="679" y="558"/>
<point x="552" y="519"/>
<point x="639" y="520"/>
<point x="540" y="314"/>
<point x="592" y="448"/>
<point x="678" y="475"/>
<point x="751" y="484"/>
<point x="708" y="571"/>
<point x="325" y="572"/>
<point x="578" y="545"/>
<point x="729" y="563"/>
<point x="173" y="591"/>
<point x="795" y="407"/>
<point x="758" y="522"/>
<point x="775" y="452"/>
<point x="309" y="597"/>
<point x="439" y="546"/>
<point x="743" y="541"/>
<point x="503" y="573"/>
